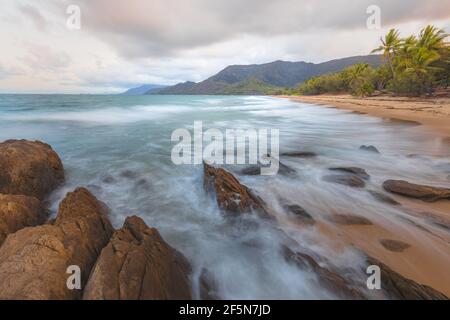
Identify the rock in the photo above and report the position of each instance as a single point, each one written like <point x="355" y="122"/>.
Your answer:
<point x="108" y="179"/>
<point x="369" y="149"/>
<point x="34" y="261"/>
<point x="299" y="154"/>
<point x="18" y="212"/>
<point x="350" y="180"/>
<point x="394" y="245"/>
<point x="29" y="168"/>
<point x="421" y="192"/>
<point x="397" y="287"/>
<point x="383" y="198"/>
<point x="256" y="170"/>
<point x="349" y="220"/>
<point x="231" y="195"/>
<point x="137" y="264"/>
<point x="300" y="214"/>
<point x="129" y="174"/>
<point x="328" y="279"/>
<point x="353" y="170"/>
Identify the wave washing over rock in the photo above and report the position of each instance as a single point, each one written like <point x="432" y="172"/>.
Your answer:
<point x="177" y="232"/>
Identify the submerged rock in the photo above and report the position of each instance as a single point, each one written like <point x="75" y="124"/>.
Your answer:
<point x="137" y="264"/>
<point x="18" y="212"/>
<point x="350" y="180"/>
<point x="383" y="198"/>
<point x="353" y="170"/>
<point x="34" y="261"/>
<point x="300" y="214"/>
<point x="394" y="245"/>
<point x="426" y="193"/>
<point x="29" y="168"/>
<point x="232" y="196"/>
<point x="256" y="170"/>
<point x="349" y="220"/>
<point x="397" y="287"/>
<point x="330" y="280"/>
<point x="369" y="149"/>
<point x="299" y="154"/>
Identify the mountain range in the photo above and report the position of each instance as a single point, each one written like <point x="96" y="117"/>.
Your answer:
<point x="262" y="78"/>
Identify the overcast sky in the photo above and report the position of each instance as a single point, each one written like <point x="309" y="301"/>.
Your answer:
<point x="125" y="43"/>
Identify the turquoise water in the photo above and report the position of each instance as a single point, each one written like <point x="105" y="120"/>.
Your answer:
<point x="119" y="147"/>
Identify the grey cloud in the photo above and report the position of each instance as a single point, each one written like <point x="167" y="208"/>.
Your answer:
<point x="141" y="28"/>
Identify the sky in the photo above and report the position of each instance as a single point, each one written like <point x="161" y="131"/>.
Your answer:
<point x="126" y="43"/>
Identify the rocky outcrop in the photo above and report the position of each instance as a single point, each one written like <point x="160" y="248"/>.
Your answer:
<point x="416" y="191"/>
<point x="29" y="168"/>
<point x="328" y="279"/>
<point x="34" y="261"/>
<point x="232" y="196"/>
<point x="397" y="287"/>
<point x="18" y="212"/>
<point x="353" y="170"/>
<point x="137" y="264"/>
<point x="349" y="180"/>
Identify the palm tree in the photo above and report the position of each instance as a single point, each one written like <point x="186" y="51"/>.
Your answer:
<point x="389" y="46"/>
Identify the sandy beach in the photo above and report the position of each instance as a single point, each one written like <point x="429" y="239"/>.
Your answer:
<point x="433" y="113"/>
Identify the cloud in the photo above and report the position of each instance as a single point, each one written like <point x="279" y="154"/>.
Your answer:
<point x="35" y="16"/>
<point x="141" y="28"/>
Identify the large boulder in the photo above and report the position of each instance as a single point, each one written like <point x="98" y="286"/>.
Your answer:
<point x="232" y="196"/>
<point x="422" y="192"/>
<point x="138" y="264"/>
<point x="34" y="261"/>
<point x="18" y="212"/>
<point x="29" y="168"/>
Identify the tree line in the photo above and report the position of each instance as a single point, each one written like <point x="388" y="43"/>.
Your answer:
<point x="414" y="66"/>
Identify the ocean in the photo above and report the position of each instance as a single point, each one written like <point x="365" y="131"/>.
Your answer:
<point x="119" y="147"/>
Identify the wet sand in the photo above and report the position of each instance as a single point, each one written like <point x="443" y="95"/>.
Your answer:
<point x="433" y="113"/>
<point x="429" y="222"/>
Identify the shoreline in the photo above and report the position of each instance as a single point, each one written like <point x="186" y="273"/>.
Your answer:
<point x="433" y="113"/>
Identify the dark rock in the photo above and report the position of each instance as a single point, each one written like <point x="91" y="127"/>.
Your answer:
<point x="369" y="149"/>
<point x="397" y="287"/>
<point x="256" y="170"/>
<point x="34" y="261"/>
<point x="299" y="154"/>
<point x="129" y="174"/>
<point x="300" y="214"/>
<point x="383" y="198"/>
<point x="109" y="179"/>
<point x="416" y="191"/>
<point x="138" y="264"/>
<point x="18" y="212"/>
<point x="354" y="170"/>
<point x="350" y="180"/>
<point x="349" y="220"/>
<point x="394" y="245"/>
<point x="231" y="195"/>
<point x="330" y="280"/>
<point x="29" y="168"/>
